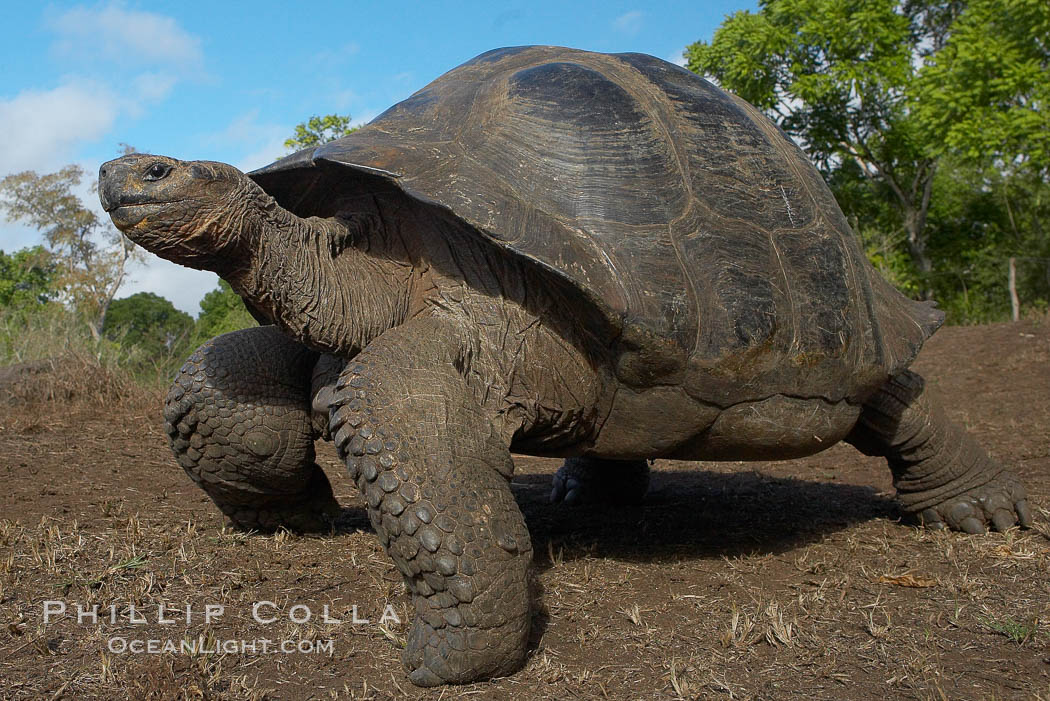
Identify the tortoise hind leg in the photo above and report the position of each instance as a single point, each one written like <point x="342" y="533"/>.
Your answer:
<point x="595" y="480"/>
<point x="240" y="423"/>
<point x="942" y="476"/>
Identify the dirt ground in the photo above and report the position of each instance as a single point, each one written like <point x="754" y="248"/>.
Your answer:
<point x="737" y="580"/>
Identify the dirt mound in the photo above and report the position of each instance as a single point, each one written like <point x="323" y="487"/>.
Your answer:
<point x="788" y="580"/>
<point x="15" y="379"/>
<point x="65" y="378"/>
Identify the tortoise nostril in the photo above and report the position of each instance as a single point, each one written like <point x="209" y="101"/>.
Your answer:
<point x="102" y="173"/>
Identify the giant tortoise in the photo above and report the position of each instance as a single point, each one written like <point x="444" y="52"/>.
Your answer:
<point x="552" y="252"/>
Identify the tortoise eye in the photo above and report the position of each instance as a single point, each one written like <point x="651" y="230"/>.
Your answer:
<point x="157" y="171"/>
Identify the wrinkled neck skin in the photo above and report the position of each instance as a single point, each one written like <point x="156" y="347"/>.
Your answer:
<point x="331" y="284"/>
<point x="337" y="284"/>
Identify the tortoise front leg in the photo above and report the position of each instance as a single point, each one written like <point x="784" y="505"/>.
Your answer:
<point x="239" y="419"/>
<point x="943" y="478"/>
<point x="435" y="475"/>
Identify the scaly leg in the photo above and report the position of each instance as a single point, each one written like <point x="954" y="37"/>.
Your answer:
<point x="435" y="475"/>
<point x="239" y="418"/>
<point x="942" y="476"/>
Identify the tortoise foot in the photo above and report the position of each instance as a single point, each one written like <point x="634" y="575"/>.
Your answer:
<point x="596" y="481"/>
<point x="312" y="518"/>
<point x="999" y="504"/>
<point x="315" y="512"/>
<point x="448" y="651"/>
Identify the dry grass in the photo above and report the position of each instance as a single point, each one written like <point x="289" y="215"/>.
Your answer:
<point x="72" y="376"/>
<point x="49" y="360"/>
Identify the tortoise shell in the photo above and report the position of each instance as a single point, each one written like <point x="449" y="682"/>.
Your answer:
<point x="696" y="226"/>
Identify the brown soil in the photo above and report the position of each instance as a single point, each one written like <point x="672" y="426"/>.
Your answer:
<point x="759" y="580"/>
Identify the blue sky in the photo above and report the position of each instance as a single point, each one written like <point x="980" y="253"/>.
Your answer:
<point x="229" y="81"/>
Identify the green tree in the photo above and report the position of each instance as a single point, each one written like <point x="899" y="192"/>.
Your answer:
<point x="319" y="130"/>
<point x="976" y="230"/>
<point x="151" y="323"/>
<point x="986" y="94"/>
<point x="90" y="255"/>
<point x="840" y="77"/>
<point x="984" y="100"/>
<point x="26" y="278"/>
<point x="222" y="310"/>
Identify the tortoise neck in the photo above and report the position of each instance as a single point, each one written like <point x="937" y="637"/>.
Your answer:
<point x="330" y="283"/>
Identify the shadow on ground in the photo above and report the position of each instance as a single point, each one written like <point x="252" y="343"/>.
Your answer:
<point x="687" y="514"/>
<point x="699" y="514"/>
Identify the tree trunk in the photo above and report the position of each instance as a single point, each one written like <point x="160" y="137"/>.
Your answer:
<point x="913" y="204"/>
<point x="98" y="323"/>
<point x="915" y="225"/>
<point x="1015" y="303"/>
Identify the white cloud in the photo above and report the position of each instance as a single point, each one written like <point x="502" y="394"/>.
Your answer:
<point x="143" y="52"/>
<point x="114" y="33"/>
<point x="678" y="58"/>
<point x="264" y="155"/>
<point x="340" y="100"/>
<point x="260" y="142"/>
<point x="39" y="128"/>
<point x="629" y="22"/>
<point x="245" y="127"/>
<point x="103" y="46"/>
<point x="151" y="87"/>
<point x="366" y="116"/>
<point x="338" y="55"/>
<point x="184" y="287"/>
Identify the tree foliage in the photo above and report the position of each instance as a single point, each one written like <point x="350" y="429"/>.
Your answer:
<point x="928" y="119"/>
<point x="151" y="323"/>
<point x="319" y="130"/>
<point x="90" y="255"/>
<point x="222" y="310"/>
<point x="986" y="94"/>
<point x="26" y="278"/>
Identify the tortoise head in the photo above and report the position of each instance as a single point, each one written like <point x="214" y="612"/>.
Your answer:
<point x="190" y="212"/>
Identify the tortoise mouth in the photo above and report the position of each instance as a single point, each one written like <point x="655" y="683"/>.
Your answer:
<point x="128" y="215"/>
<point x="128" y="205"/>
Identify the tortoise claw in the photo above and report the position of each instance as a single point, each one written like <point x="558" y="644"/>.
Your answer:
<point x="929" y="518"/>
<point x="559" y="488"/>
<point x="567" y="488"/>
<point x="1024" y="514"/>
<point x="424" y="677"/>
<point x="1003" y="520"/>
<point x="998" y="505"/>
